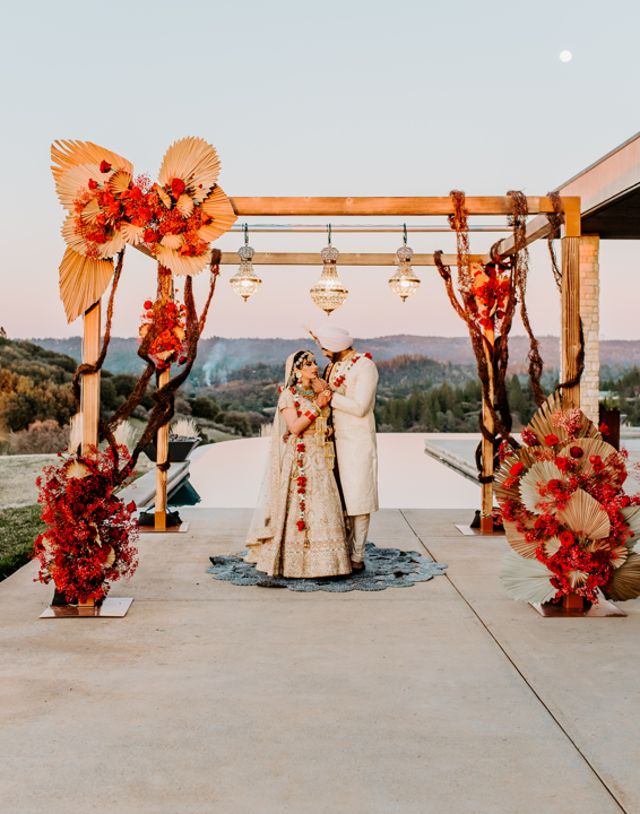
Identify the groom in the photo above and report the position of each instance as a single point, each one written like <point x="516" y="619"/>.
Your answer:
<point x="352" y="378"/>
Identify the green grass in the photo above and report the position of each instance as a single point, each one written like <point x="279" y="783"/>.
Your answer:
<point x="19" y="527"/>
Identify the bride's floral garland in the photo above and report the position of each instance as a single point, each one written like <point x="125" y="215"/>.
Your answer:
<point x="89" y="542"/>
<point x="339" y="380"/>
<point x="301" y="477"/>
<point x="169" y="345"/>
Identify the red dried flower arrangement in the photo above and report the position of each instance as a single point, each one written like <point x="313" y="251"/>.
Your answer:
<point x="169" y="344"/>
<point x="89" y="542"/>
<point x="566" y="515"/>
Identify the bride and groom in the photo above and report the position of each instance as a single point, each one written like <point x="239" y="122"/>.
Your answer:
<point x="321" y="483"/>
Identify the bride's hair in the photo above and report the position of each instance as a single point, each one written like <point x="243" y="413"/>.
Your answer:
<point x="300" y="357"/>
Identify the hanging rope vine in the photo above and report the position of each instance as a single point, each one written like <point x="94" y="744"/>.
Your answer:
<point x="486" y="301"/>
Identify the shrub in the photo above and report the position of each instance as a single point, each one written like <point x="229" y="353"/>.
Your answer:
<point x="39" y="437"/>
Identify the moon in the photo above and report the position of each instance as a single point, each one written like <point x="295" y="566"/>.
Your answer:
<point x="565" y="56"/>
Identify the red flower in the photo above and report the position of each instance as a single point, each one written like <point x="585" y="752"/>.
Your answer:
<point x="150" y="236"/>
<point x="92" y="184"/>
<point x="147" y="304"/>
<point x="368" y="356"/>
<point x="576" y="452"/>
<point x="131" y="507"/>
<point x="566" y="538"/>
<point x="554" y="483"/>
<point x="301" y="525"/>
<point x="300" y="448"/>
<point x="182" y="360"/>
<point x="529" y="437"/>
<point x="595" y="461"/>
<point x="104" y="166"/>
<point x="551" y="439"/>
<point x="177" y="187"/>
<point x="517" y="469"/>
<point x="604" y="429"/>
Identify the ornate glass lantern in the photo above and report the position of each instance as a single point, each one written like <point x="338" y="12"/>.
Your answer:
<point x="245" y="281"/>
<point x="329" y="292"/>
<point x="404" y="282"/>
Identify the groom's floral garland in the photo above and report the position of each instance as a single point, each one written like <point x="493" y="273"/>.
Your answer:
<point x="339" y="380"/>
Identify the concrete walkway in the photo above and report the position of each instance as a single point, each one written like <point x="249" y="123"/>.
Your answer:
<point x="443" y="698"/>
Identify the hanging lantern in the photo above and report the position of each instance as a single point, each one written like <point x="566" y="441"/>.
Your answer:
<point x="404" y="282"/>
<point x="245" y="281"/>
<point x="329" y="292"/>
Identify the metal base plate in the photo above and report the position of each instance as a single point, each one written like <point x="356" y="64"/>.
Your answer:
<point x="111" y="607"/>
<point x="181" y="529"/>
<point x="469" y="532"/>
<point x="602" y="608"/>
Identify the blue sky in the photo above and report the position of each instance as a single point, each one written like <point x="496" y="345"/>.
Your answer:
<point x="342" y="98"/>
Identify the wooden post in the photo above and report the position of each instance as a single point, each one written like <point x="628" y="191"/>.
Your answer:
<point x="90" y="383"/>
<point x="486" y="520"/>
<point x="165" y="294"/>
<point x="570" y="302"/>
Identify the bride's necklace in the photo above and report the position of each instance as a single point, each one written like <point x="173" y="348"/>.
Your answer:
<point x="303" y="392"/>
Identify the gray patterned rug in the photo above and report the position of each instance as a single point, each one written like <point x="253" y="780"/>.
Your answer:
<point x="384" y="568"/>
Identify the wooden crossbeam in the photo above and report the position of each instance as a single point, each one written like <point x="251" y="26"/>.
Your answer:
<point x="344" y="259"/>
<point x="365" y="206"/>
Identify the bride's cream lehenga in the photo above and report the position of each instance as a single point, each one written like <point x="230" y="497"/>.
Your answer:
<point x="300" y="533"/>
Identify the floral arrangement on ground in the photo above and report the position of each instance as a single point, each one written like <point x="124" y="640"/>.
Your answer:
<point x="566" y="515"/>
<point x="89" y="542"/>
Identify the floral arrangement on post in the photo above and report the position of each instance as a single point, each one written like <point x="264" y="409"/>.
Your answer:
<point x="567" y="518"/>
<point x="174" y="219"/>
<point x="89" y="542"/>
<point x="169" y="343"/>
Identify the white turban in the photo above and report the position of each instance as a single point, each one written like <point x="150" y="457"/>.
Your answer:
<point x="333" y="338"/>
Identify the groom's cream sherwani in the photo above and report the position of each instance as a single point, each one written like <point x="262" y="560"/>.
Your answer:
<point x="355" y="438"/>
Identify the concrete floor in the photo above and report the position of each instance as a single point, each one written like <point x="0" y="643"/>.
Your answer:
<point x="443" y="698"/>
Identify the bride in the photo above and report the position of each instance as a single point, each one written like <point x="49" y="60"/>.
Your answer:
<point x="298" y="529"/>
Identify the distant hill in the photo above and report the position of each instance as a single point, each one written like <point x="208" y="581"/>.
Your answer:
<point x="219" y="358"/>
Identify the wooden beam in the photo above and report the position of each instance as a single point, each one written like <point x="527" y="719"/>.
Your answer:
<point x="570" y="317"/>
<point x="165" y="293"/>
<point x="90" y="382"/>
<point x="539" y="227"/>
<point x="381" y="206"/>
<point x="344" y="259"/>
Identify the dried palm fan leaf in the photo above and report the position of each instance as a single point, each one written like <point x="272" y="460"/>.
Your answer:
<point x="526" y="580"/>
<point x="76" y="469"/>
<point x="619" y="555"/>
<point x="132" y="234"/>
<point x="112" y="246"/>
<point x="590" y="446"/>
<point x="172" y="241"/>
<point x="164" y="196"/>
<point x="185" y="205"/>
<point x="542" y="423"/>
<point x="68" y="153"/>
<point x="195" y="162"/>
<point x="631" y="515"/>
<point x="577" y="578"/>
<point x="517" y="541"/>
<point x="218" y="206"/>
<point x="91" y="211"/>
<point x="543" y="471"/>
<point x="71" y="237"/>
<point x="83" y="280"/>
<point x="585" y="516"/>
<point x="75" y="182"/>
<point x="119" y="181"/>
<point x="181" y="264"/>
<point x="552" y="546"/>
<point x="625" y="581"/>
